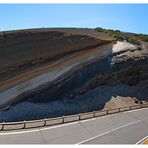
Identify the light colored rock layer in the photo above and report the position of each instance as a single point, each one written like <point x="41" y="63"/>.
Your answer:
<point x="122" y="46"/>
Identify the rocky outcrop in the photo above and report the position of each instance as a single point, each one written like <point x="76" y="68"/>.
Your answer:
<point x="25" y="48"/>
<point x="54" y="75"/>
<point x="83" y="79"/>
<point x="100" y="72"/>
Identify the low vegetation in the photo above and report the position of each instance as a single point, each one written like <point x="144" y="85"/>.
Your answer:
<point x="134" y="40"/>
<point x="130" y="37"/>
<point x="143" y="37"/>
<point x="114" y="33"/>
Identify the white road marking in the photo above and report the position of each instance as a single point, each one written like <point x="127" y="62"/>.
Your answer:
<point x="134" y="110"/>
<point x="142" y="140"/>
<point x="51" y="127"/>
<point x="36" y="130"/>
<point x="54" y="126"/>
<point x="108" y="132"/>
<point x="46" y="128"/>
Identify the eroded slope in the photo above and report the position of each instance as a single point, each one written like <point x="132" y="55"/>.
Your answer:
<point x="102" y="73"/>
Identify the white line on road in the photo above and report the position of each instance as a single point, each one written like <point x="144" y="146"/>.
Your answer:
<point x="142" y="140"/>
<point x="54" y="126"/>
<point x="36" y="130"/>
<point x="50" y="127"/>
<point x="45" y="128"/>
<point x="135" y="110"/>
<point x="108" y="132"/>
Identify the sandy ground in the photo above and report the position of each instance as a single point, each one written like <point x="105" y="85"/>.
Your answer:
<point x="118" y="101"/>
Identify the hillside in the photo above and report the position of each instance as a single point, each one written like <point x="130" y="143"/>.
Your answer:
<point x="24" y="48"/>
<point x="51" y="72"/>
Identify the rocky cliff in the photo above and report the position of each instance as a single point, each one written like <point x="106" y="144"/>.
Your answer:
<point x="54" y="72"/>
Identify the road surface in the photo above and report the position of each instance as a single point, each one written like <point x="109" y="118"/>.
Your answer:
<point x="121" y="128"/>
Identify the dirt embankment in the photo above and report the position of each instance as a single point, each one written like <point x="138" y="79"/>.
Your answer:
<point x="20" y="50"/>
<point x="54" y="72"/>
<point x="30" y="58"/>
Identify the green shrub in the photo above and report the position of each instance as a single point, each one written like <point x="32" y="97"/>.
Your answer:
<point x="134" y="41"/>
<point x="144" y="38"/>
<point x="118" y="36"/>
<point x="118" y="31"/>
<point x="99" y="29"/>
<point x="124" y="36"/>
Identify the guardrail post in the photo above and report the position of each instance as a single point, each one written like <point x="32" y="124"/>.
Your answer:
<point x="3" y="126"/>
<point x="44" y="122"/>
<point x="63" y="119"/>
<point x="119" y="110"/>
<point x="24" y="125"/>
<point x="94" y="113"/>
<point x="107" y="112"/>
<point x="79" y="116"/>
<point x="130" y="107"/>
<point x="2" y="36"/>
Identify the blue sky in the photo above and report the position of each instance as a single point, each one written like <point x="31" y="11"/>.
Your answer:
<point x="125" y="17"/>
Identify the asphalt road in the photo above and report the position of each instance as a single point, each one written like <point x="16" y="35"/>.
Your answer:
<point x="121" y="128"/>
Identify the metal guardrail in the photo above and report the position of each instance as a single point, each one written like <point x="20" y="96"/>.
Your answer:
<point x="65" y="119"/>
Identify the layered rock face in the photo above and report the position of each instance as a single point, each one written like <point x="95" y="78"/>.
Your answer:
<point x="68" y="71"/>
<point x="31" y="58"/>
<point x="21" y="49"/>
